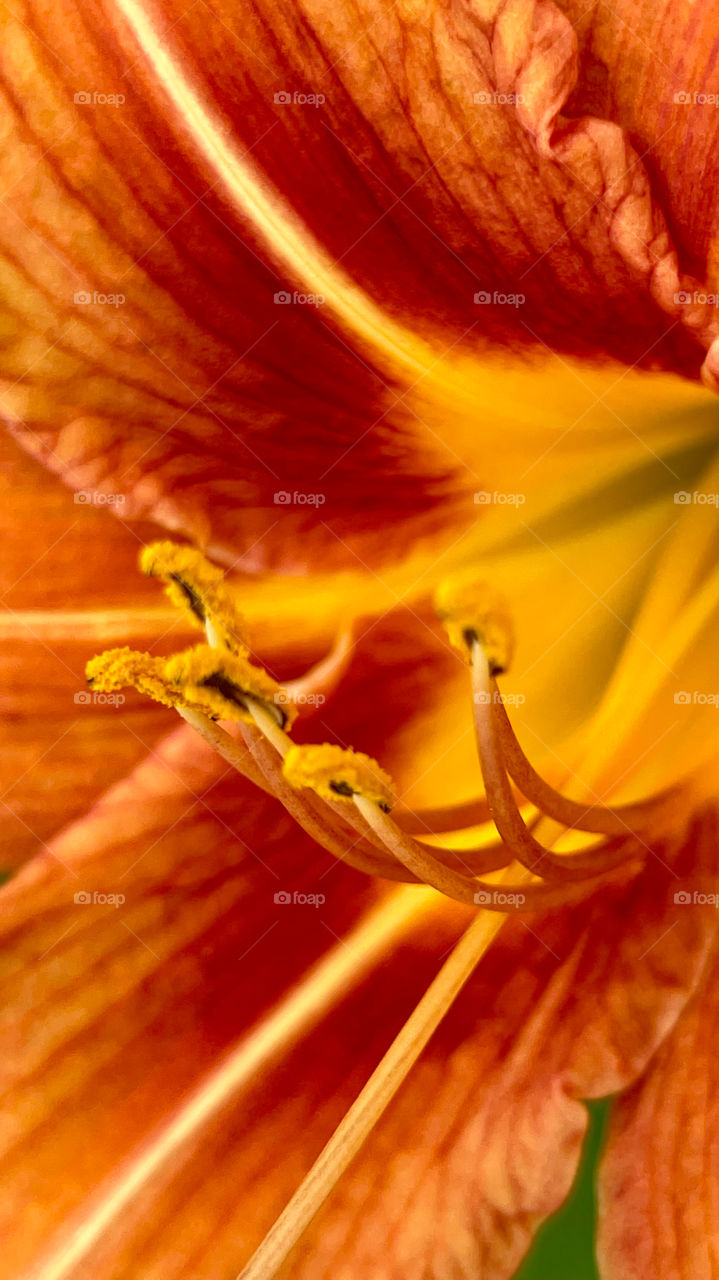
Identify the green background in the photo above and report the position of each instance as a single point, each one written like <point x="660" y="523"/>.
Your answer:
<point x="564" y="1246"/>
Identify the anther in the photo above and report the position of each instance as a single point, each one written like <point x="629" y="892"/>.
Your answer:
<point x="336" y="773"/>
<point x="130" y="669"/>
<point x="229" y="685"/>
<point x="474" y="613"/>
<point x="199" y="588"/>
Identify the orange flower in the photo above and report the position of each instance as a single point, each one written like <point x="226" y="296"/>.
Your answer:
<point x="323" y="291"/>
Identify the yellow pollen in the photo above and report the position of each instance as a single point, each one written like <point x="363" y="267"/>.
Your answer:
<point x="226" y="683"/>
<point x="129" y="669"/>
<point x="474" y="613"/>
<point x="336" y="773"/>
<point x="199" y="588"/>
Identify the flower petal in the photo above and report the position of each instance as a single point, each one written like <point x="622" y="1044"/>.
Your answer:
<point x="480" y="1144"/>
<point x="199" y="192"/>
<point x="659" y="1175"/>
<point x="121" y="1002"/>
<point x="68" y="585"/>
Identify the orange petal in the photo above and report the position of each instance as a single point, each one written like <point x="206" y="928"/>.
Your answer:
<point x="68" y="586"/>
<point x="483" y="1140"/>
<point x="200" y="196"/>
<point x="481" y="1143"/>
<point x="660" y="1172"/>
<point x="123" y="1000"/>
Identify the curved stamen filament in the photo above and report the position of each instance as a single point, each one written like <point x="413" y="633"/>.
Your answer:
<point x="505" y="812"/>
<point x="594" y="818"/>
<point x="232" y="750"/>
<point x="530" y="895"/>
<point x="353" y="842"/>
<point x="351" y="848"/>
<point x="419" y="822"/>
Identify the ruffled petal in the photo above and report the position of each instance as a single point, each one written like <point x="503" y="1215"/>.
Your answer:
<point x="659" y="1177"/>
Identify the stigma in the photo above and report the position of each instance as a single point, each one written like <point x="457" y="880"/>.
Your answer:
<point x="343" y="798"/>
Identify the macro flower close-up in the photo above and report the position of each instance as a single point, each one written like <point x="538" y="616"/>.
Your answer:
<point x="360" y="518"/>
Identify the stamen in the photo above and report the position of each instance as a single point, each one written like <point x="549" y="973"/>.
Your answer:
<point x="505" y="813"/>
<point x="338" y="773"/>
<point x="598" y="819"/>
<point x="199" y="588"/>
<point x="268" y="726"/>
<point x="526" y="895"/>
<point x="454" y="817"/>
<point x="477" y="621"/>
<point x="474" y="613"/>
<point x="342" y="836"/>
<point x="415" y="856"/>
<point x="230" y="685"/>
<point x="326" y="828"/>
<point x="234" y="751"/>
<point x="382" y="1086"/>
<point x="130" y="669"/>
